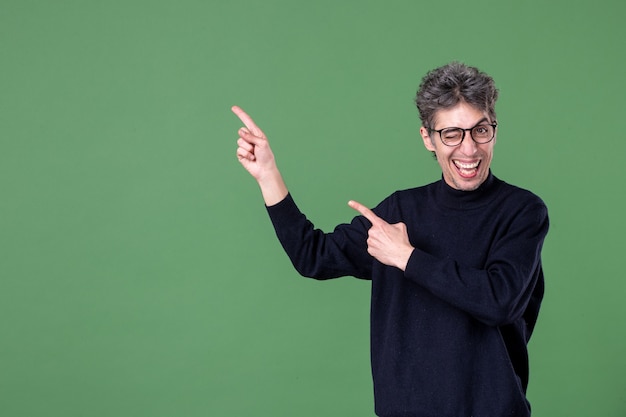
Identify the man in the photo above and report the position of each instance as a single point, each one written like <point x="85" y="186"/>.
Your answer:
<point x="455" y="265"/>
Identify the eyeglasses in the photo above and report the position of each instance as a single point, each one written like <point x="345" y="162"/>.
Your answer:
<point x="453" y="136"/>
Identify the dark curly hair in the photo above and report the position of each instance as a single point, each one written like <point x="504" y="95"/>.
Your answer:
<point x="446" y="86"/>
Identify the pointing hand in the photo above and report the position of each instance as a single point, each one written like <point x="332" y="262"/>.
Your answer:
<point x="388" y="243"/>
<point x="254" y="151"/>
<point x="255" y="155"/>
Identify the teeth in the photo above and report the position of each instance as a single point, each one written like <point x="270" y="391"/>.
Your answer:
<point x="466" y="166"/>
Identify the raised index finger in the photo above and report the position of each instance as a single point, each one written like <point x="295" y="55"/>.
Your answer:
<point x="247" y="120"/>
<point x="366" y="212"/>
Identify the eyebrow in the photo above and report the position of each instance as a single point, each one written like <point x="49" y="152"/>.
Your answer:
<point x="484" y="119"/>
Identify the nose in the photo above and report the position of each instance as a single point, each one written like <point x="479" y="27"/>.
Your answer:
<point x="468" y="146"/>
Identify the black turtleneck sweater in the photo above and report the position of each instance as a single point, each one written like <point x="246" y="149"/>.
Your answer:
<point x="449" y="334"/>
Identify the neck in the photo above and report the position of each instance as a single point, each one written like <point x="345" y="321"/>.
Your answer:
<point x="464" y="200"/>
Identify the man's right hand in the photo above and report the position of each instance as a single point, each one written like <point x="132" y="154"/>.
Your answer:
<point x="254" y="151"/>
<point x="255" y="155"/>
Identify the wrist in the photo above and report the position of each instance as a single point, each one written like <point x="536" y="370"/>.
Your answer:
<point x="272" y="187"/>
<point x="404" y="259"/>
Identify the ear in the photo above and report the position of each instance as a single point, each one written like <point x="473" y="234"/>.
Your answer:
<point x="428" y="143"/>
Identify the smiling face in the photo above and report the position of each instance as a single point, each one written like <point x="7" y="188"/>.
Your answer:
<point x="466" y="166"/>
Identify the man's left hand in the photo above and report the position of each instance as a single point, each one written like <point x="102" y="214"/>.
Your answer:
<point x="388" y="243"/>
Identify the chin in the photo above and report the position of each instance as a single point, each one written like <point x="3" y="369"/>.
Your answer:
<point x="468" y="184"/>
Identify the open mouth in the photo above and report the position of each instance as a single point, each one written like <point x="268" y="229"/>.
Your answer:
<point x="467" y="169"/>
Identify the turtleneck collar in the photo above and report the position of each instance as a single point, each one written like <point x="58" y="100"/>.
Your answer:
<point x="449" y="197"/>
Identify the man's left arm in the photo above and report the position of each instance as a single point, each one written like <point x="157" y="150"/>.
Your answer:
<point x="495" y="295"/>
<point x="499" y="293"/>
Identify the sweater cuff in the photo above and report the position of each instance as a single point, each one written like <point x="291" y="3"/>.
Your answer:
<point x="285" y="212"/>
<point x="416" y="265"/>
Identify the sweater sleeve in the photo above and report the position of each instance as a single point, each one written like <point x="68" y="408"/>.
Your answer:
<point x="320" y="255"/>
<point x="499" y="293"/>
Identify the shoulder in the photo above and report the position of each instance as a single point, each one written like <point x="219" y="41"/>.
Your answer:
<point x="518" y="194"/>
<point x="410" y="194"/>
<point x="521" y="205"/>
<point x="406" y="203"/>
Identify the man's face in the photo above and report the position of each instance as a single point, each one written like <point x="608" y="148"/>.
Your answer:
<point x="465" y="166"/>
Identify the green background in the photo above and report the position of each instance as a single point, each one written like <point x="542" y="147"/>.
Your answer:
<point x="139" y="274"/>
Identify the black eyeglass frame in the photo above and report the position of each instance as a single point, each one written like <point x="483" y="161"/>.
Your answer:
<point x="494" y="125"/>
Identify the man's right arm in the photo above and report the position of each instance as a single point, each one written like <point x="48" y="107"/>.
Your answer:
<point x="314" y="253"/>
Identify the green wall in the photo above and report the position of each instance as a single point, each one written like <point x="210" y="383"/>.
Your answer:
<point x="139" y="275"/>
